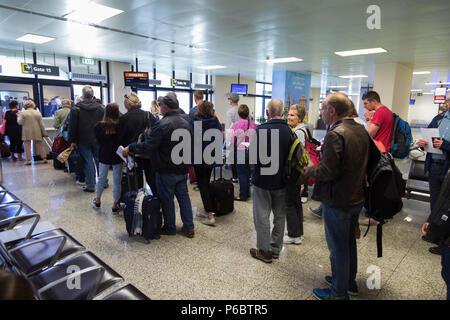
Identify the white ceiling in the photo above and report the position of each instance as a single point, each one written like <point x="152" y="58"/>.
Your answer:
<point x="241" y="34"/>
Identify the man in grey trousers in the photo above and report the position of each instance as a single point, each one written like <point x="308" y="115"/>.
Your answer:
<point x="271" y="149"/>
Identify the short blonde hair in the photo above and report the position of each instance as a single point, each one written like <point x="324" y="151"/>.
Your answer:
<point x="29" y="104"/>
<point x="300" y="110"/>
<point x="155" y="107"/>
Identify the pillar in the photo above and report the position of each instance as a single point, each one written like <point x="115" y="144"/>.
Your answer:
<point x="393" y="83"/>
<point x="118" y="89"/>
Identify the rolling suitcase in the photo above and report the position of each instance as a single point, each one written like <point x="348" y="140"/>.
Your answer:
<point x="142" y="211"/>
<point x="222" y="193"/>
<point x="5" y="152"/>
<point x="124" y="183"/>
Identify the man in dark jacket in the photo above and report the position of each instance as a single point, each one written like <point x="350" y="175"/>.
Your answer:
<point x="340" y="184"/>
<point x="438" y="164"/>
<point x="85" y="116"/>
<point x="131" y="125"/>
<point x="171" y="178"/>
<point x="269" y="192"/>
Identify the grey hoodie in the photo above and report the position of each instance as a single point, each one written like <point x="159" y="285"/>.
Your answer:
<point x="85" y="115"/>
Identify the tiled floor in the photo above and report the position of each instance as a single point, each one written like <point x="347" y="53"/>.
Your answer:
<point x="216" y="264"/>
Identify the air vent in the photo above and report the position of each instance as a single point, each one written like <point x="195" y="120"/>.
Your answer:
<point x="88" y="77"/>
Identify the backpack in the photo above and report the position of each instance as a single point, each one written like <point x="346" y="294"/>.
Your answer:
<point x="311" y="146"/>
<point x="385" y="190"/>
<point x="296" y="162"/>
<point x="401" y="138"/>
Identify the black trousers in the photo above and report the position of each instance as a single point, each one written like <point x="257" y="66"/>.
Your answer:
<point x="294" y="211"/>
<point x="16" y="144"/>
<point x="146" y="166"/>
<point x="203" y="178"/>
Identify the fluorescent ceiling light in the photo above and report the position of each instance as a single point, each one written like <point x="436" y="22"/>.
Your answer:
<point x="436" y="83"/>
<point x="354" y="76"/>
<point x="360" y="52"/>
<point x="284" y="60"/>
<point x="33" y="38"/>
<point x="212" y="67"/>
<point x="93" y="13"/>
<point x="421" y="72"/>
<point x="332" y="87"/>
<point x="416" y="90"/>
<point x="428" y="93"/>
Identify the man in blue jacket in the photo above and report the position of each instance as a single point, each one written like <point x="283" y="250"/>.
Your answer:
<point x="171" y="178"/>
<point x="437" y="165"/>
<point x="269" y="192"/>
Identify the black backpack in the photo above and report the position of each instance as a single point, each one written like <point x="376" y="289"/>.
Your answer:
<point x="401" y="138"/>
<point x="385" y="191"/>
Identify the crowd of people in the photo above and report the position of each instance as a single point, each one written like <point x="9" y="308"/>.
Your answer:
<point x="340" y="179"/>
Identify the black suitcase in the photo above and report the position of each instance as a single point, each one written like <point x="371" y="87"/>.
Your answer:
<point x="75" y="162"/>
<point x="151" y="212"/>
<point x="124" y="183"/>
<point x="58" y="165"/>
<point x="222" y="193"/>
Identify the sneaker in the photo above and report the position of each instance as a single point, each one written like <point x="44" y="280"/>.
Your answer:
<point x="165" y="233"/>
<point x="202" y="214"/>
<point x="83" y="184"/>
<point x="436" y="250"/>
<point x="290" y="240"/>
<point x="116" y="209"/>
<point x="316" y="211"/>
<point x="261" y="255"/>
<point x="350" y="291"/>
<point x="326" y="294"/>
<point x="234" y="180"/>
<point x="208" y="222"/>
<point x="304" y="199"/>
<point x="88" y="190"/>
<point x="95" y="205"/>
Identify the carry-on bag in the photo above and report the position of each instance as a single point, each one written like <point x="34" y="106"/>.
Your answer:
<point x="4" y="148"/>
<point x="222" y="193"/>
<point x="142" y="211"/>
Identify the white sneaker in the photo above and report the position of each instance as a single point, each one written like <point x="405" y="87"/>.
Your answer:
<point x="304" y="199"/>
<point x="289" y="240"/>
<point x="209" y="222"/>
<point x="82" y="184"/>
<point x="202" y="214"/>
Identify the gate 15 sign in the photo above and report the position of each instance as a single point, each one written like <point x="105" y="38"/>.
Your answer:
<point x="29" y="68"/>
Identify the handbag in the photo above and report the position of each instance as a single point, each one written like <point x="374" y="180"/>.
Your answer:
<point x="64" y="156"/>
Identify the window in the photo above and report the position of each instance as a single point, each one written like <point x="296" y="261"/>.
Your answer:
<point x="52" y="60"/>
<point x="11" y="62"/>
<point x="166" y="80"/>
<point x="78" y="91"/>
<point x="146" y="98"/>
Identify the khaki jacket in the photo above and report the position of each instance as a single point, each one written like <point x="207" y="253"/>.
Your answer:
<point x="32" y="125"/>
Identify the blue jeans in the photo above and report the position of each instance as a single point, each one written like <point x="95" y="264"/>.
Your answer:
<point x="103" y="179"/>
<point x="435" y="182"/>
<point x="169" y="185"/>
<point x="340" y="225"/>
<point x="89" y="153"/>
<point x="445" y="260"/>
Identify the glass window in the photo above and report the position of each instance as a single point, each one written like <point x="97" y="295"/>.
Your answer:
<point x="259" y="88"/>
<point x="258" y="108"/>
<point x="11" y="62"/>
<point x="78" y="67"/>
<point x="53" y="60"/>
<point x="53" y="96"/>
<point x="146" y="98"/>
<point x="183" y="100"/>
<point x="78" y="91"/>
<point x="166" y="80"/>
<point x="268" y="90"/>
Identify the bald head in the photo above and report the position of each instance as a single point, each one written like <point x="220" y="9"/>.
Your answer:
<point x="340" y="102"/>
<point x="275" y="108"/>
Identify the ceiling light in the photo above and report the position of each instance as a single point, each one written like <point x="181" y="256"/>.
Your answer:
<point x="436" y="83"/>
<point x="333" y="87"/>
<point x="360" y="52"/>
<point x="421" y="72"/>
<point x="33" y="38"/>
<point x="416" y="90"/>
<point x="93" y="13"/>
<point x="212" y="67"/>
<point x="354" y="76"/>
<point x="428" y="93"/>
<point x="284" y="60"/>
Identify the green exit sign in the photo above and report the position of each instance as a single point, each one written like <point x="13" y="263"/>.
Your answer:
<point x="419" y="94"/>
<point x="88" y="61"/>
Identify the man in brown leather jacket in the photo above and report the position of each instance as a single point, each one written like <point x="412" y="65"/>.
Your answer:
<point x="340" y="186"/>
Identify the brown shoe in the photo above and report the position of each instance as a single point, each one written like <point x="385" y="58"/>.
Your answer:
<point x="265" y="256"/>
<point x="165" y="233"/>
<point x="190" y="233"/>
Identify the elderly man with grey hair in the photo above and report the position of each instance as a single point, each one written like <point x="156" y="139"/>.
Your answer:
<point x="84" y="117"/>
<point x="269" y="193"/>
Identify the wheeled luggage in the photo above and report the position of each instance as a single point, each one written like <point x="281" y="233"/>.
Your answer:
<point x="4" y="148"/>
<point x="142" y="211"/>
<point x="222" y="193"/>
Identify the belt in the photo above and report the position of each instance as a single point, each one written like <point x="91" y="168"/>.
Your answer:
<point x="441" y="162"/>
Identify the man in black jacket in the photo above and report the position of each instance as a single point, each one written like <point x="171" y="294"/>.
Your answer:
<point x="171" y="178"/>
<point x="85" y="116"/>
<point x="131" y="125"/>
<point x="340" y="186"/>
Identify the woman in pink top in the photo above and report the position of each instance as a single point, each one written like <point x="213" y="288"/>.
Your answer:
<point x="239" y="140"/>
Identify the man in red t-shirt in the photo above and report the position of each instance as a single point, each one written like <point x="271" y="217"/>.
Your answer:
<point x="382" y="122"/>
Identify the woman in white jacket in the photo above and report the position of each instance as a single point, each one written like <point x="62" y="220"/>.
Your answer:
<point x="32" y="130"/>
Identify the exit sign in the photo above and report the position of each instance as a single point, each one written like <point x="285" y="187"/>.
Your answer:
<point x="88" y="61"/>
<point x="419" y="94"/>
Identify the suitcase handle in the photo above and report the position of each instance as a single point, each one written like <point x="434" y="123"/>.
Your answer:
<point x="134" y="173"/>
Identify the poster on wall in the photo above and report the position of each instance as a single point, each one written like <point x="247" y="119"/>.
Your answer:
<point x="439" y="95"/>
<point x="298" y="87"/>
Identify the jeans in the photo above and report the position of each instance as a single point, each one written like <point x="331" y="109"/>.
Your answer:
<point x="203" y="175"/>
<point x="435" y="182"/>
<point x="340" y="225"/>
<point x="265" y="202"/>
<point x="89" y="153"/>
<point x="103" y="180"/>
<point x="294" y="211"/>
<point x="445" y="260"/>
<point x="169" y="185"/>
